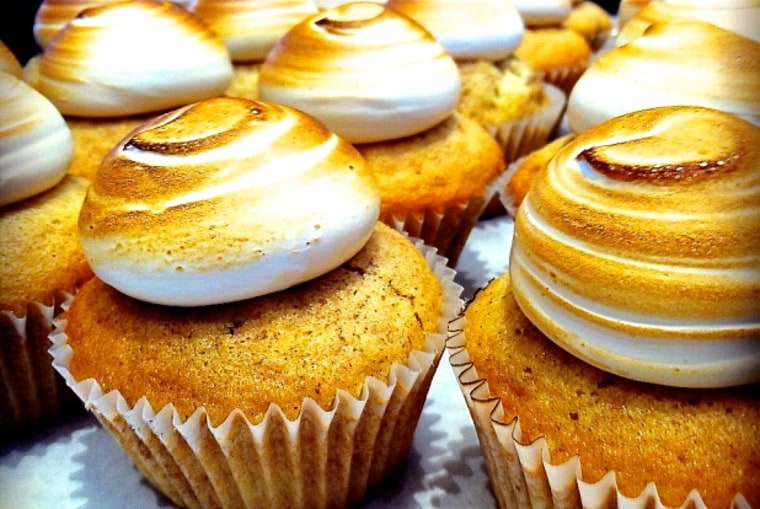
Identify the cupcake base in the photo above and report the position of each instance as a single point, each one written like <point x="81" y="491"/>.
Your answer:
<point x="323" y="457"/>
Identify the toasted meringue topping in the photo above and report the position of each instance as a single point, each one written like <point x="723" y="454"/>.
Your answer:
<point x="250" y="28"/>
<point x="468" y="29"/>
<point x="689" y="63"/>
<point x="52" y="16"/>
<point x="225" y="200"/>
<point x="636" y="249"/>
<point x="36" y="146"/>
<point x="367" y="72"/>
<point x="536" y="13"/>
<point x="9" y="63"/>
<point x="132" y="57"/>
<point x="739" y="16"/>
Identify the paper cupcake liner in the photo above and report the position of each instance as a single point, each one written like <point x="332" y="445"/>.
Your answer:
<point x="564" y="78"/>
<point x="322" y="458"/>
<point x="504" y="197"/>
<point x="520" y="137"/>
<point x="33" y="395"/>
<point x="447" y="231"/>
<point x="521" y="473"/>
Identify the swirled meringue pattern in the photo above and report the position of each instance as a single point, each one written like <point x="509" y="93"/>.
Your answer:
<point x="132" y="57"/>
<point x="367" y="72"/>
<point x="36" y="146"/>
<point x="689" y="63"/>
<point x="739" y="16"/>
<point x="469" y="29"/>
<point x="636" y="249"/>
<point x="52" y="16"/>
<point x="224" y="200"/>
<point x="250" y="28"/>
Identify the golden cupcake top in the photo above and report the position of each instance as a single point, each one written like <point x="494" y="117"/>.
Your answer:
<point x="684" y="63"/>
<point x="36" y="145"/>
<point x="468" y="29"/>
<point x="366" y="71"/>
<point x="131" y="57"/>
<point x="224" y="200"/>
<point x="739" y="16"/>
<point x="636" y="248"/>
<point x="250" y="28"/>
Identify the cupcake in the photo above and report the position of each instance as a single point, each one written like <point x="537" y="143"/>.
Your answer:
<point x="253" y="336"/>
<point x="739" y="16"/>
<point x="249" y="29"/>
<point x="501" y="91"/>
<point x="381" y="81"/>
<point x="682" y="63"/>
<point x="617" y="362"/>
<point x="114" y="66"/>
<point x="558" y="52"/>
<point x="41" y="262"/>
<point x="590" y="20"/>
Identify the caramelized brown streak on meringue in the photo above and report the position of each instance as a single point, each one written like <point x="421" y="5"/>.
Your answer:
<point x="647" y="230"/>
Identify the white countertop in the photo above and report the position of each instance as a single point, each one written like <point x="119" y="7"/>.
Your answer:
<point x="78" y="464"/>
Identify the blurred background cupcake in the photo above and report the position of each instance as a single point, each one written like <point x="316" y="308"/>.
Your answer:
<point x="41" y="260"/>
<point x="249" y="29"/>
<point x="265" y="341"/>
<point x="679" y="63"/>
<point x="617" y="361"/>
<point x="381" y="81"/>
<point x="501" y="91"/>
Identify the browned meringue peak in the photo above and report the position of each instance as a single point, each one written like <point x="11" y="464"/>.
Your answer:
<point x="243" y="197"/>
<point x="131" y="57"/>
<point x="52" y="16"/>
<point x="250" y="28"/>
<point x="637" y="248"/>
<point x="369" y="73"/>
<point x="739" y="16"/>
<point x="8" y="61"/>
<point x="679" y="63"/>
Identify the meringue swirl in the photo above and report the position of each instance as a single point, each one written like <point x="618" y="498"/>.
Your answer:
<point x="132" y="57"/>
<point x="469" y="29"/>
<point x="250" y="28"/>
<point x="636" y="249"/>
<point x="687" y="63"/>
<point x="36" y="145"/>
<point x="52" y="16"/>
<point x="739" y="16"/>
<point x="367" y="72"/>
<point x="224" y="200"/>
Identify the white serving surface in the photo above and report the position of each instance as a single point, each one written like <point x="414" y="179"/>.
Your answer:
<point x="78" y="464"/>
